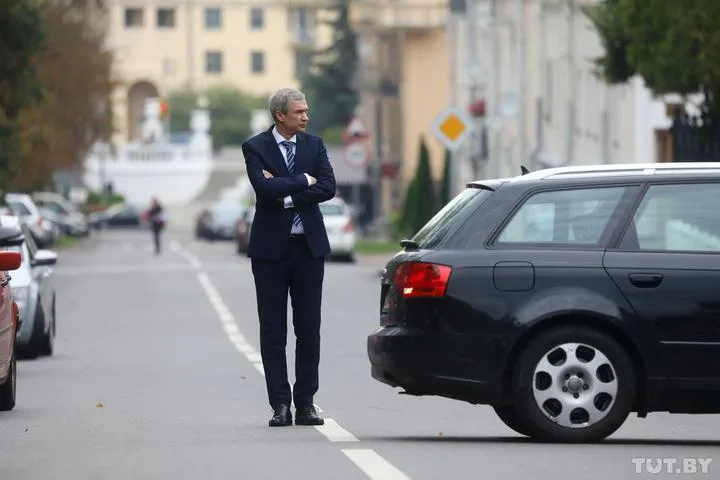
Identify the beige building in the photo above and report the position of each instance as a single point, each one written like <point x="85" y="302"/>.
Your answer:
<point x="404" y="83"/>
<point x="254" y="45"/>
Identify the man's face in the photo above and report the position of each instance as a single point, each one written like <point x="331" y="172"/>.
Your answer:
<point x="296" y="118"/>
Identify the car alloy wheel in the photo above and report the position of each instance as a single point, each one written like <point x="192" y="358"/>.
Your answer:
<point x="573" y="384"/>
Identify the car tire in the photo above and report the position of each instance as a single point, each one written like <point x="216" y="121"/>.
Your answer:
<point x="567" y="375"/>
<point x="508" y="415"/>
<point x="8" y="390"/>
<point x="48" y="344"/>
<point x="33" y="349"/>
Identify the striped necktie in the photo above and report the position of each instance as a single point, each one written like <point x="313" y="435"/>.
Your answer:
<point x="291" y="165"/>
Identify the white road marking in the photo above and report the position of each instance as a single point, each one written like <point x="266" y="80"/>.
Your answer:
<point x="254" y="357"/>
<point x="374" y="466"/>
<point x="192" y="259"/>
<point x="244" y="347"/>
<point x="369" y="461"/>
<point x="335" y="433"/>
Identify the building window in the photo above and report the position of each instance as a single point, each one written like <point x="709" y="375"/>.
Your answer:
<point x="213" y="19"/>
<point x="257" y="62"/>
<point x="213" y="62"/>
<point x="302" y="63"/>
<point x="134" y="18"/>
<point x="257" y="19"/>
<point x="166" y="17"/>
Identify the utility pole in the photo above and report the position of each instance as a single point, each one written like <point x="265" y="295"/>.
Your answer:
<point x="494" y="110"/>
<point x="572" y="104"/>
<point x="520" y="48"/>
<point x="458" y="9"/>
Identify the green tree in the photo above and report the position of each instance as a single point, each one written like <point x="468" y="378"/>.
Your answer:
<point x="422" y="195"/>
<point x="329" y="81"/>
<point x="672" y="45"/>
<point x="230" y="111"/>
<point x="74" y="68"/>
<point x="446" y="185"/>
<point x="21" y="38"/>
<point x="407" y="220"/>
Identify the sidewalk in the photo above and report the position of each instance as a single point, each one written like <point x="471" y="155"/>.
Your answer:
<point x="377" y="261"/>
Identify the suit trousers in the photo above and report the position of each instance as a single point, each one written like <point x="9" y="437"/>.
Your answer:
<point x="301" y="275"/>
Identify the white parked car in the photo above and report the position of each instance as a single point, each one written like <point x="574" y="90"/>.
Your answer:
<point x="340" y="228"/>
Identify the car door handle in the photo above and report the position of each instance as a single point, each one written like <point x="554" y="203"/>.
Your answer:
<point x="6" y="281"/>
<point x="646" y="280"/>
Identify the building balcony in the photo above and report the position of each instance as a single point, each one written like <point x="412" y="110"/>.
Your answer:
<point x="408" y="15"/>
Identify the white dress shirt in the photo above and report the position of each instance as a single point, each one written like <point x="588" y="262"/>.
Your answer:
<point x="288" y="200"/>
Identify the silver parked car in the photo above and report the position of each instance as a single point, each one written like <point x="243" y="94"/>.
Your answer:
<point x="33" y="290"/>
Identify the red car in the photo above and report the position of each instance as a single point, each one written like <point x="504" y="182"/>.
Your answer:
<point x="8" y="320"/>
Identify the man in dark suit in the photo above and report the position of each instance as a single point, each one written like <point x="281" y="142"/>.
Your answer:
<point x="291" y="174"/>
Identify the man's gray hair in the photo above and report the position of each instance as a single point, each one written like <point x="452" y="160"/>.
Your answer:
<point x="280" y="100"/>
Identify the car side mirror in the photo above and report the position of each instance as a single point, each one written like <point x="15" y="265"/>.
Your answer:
<point x="11" y="237"/>
<point x="44" y="258"/>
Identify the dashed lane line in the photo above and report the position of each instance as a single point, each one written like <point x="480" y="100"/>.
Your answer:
<point x="374" y="466"/>
<point x="367" y="460"/>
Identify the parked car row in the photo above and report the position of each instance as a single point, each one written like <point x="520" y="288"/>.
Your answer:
<point x="47" y="215"/>
<point x="28" y="317"/>
<point x="229" y="220"/>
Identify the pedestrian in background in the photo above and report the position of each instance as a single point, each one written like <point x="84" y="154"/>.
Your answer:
<point x="291" y="174"/>
<point x="156" y="218"/>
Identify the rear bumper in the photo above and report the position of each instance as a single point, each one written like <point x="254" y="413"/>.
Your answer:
<point x="430" y="363"/>
<point x="342" y="244"/>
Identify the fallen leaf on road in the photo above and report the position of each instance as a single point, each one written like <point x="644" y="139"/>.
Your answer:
<point x="99" y="405"/>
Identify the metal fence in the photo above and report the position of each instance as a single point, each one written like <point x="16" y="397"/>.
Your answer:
<point x="693" y="141"/>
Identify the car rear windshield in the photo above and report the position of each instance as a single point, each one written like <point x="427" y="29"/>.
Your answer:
<point x="436" y="231"/>
<point x="331" y="209"/>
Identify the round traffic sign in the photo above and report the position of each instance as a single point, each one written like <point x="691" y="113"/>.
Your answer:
<point x="356" y="154"/>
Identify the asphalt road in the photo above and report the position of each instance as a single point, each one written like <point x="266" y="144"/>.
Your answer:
<point x="157" y="375"/>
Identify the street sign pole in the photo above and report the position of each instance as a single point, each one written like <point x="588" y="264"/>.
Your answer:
<point x="452" y="127"/>
<point x="357" y="156"/>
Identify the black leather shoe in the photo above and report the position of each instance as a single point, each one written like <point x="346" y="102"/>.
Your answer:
<point x="308" y="416"/>
<point x="281" y="417"/>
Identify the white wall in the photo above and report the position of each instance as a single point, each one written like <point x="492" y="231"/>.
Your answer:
<point x="610" y="124"/>
<point x="176" y="175"/>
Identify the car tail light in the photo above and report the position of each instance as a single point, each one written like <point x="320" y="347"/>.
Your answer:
<point x="348" y="227"/>
<point x="422" y="280"/>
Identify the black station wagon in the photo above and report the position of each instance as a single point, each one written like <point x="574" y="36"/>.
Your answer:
<point x="565" y="298"/>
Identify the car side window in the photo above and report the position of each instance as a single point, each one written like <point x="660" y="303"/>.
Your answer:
<point x="55" y="208"/>
<point x="29" y="242"/>
<point x="679" y="218"/>
<point x="577" y="216"/>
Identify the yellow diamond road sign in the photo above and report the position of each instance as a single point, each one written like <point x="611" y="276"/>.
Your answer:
<point x="452" y="127"/>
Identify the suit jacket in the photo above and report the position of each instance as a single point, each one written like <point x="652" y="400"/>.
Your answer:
<point x="272" y="223"/>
